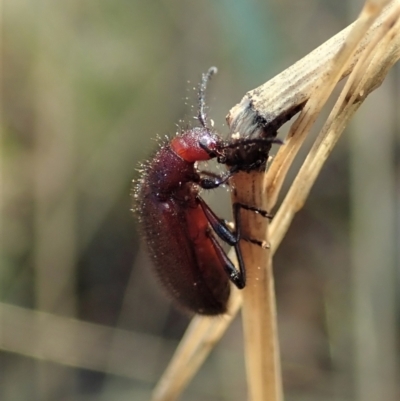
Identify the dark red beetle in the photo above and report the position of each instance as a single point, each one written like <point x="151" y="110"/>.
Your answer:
<point x="179" y="228"/>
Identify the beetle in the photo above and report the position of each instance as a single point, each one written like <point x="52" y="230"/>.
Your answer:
<point x="178" y="226"/>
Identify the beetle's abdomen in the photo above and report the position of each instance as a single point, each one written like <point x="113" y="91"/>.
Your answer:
<point x="183" y="255"/>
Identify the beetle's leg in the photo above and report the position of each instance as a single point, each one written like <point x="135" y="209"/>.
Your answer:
<point x="251" y="141"/>
<point x="261" y="212"/>
<point x="231" y="236"/>
<point x="236" y="216"/>
<point x="238" y="277"/>
<point x="209" y="180"/>
<point x="221" y="227"/>
<point x="214" y="180"/>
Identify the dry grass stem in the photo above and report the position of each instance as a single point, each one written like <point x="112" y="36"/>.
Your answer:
<point x="259" y="308"/>
<point x="79" y="344"/>
<point x="322" y="88"/>
<point x="275" y="101"/>
<point x="385" y="55"/>
<point x="372" y="42"/>
<point x="201" y="336"/>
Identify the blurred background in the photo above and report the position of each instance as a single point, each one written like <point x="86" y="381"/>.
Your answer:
<point x="86" y="87"/>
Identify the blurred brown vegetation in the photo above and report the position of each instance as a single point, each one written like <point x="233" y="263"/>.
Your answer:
<point x="86" y="87"/>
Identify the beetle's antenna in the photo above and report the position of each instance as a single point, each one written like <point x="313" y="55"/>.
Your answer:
<point x="202" y="89"/>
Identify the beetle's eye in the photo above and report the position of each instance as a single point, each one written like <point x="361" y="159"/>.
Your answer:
<point x="208" y="144"/>
<point x="204" y="142"/>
